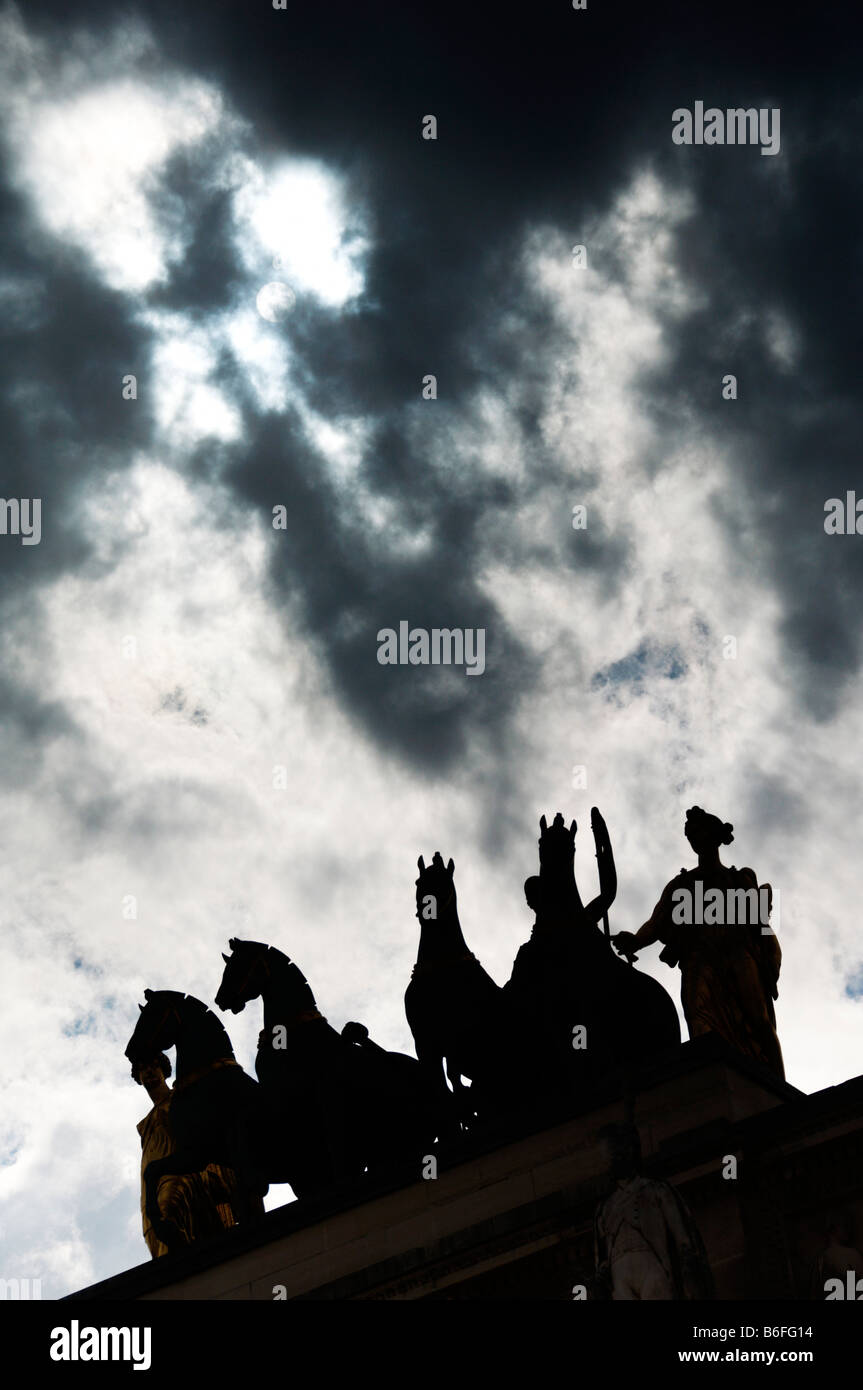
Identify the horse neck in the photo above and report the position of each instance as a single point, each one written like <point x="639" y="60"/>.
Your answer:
<point x="441" y="938"/>
<point x="286" y="991"/>
<point x="201" y="1039"/>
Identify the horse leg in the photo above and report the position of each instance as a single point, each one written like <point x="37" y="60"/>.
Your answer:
<point x="462" y="1096"/>
<point x="433" y="1066"/>
<point x="250" y="1148"/>
<point x="249" y="1165"/>
<point x="247" y="1206"/>
<point x="412" y="1100"/>
<point x="342" y="1128"/>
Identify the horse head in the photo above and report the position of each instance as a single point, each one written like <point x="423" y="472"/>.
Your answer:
<point x="557" y="845"/>
<point x="244" y="975"/>
<point x="158" y="1025"/>
<point x="436" y="895"/>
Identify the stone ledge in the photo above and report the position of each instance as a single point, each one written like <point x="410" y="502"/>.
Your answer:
<point x="533" y="1151"/>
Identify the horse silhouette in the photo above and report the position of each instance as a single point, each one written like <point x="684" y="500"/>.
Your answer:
<point x="342" y="1104"/>
<point x="462" y="1024"/>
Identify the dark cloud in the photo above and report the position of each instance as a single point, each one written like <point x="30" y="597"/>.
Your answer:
<point x="762" y="242"/>
<point x="63" y="420"/>
<point x="353" y="586"/>
<point x="541" y="122"/>
<point x="206" y="278"/>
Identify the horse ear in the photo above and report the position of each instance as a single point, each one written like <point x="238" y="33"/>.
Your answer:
<point x="420" y="865"/>
<point x="543" y="825"/>
<point x="226" y="959"/>
<point x="450" y="868"/>
<point x="141" y="1007"/>
<point x="572" y="829"/>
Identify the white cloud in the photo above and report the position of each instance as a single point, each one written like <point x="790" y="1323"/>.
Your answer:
<point x="89" y="149"/>
<point x="294" y="213"/>
<point x="187" y="406"/>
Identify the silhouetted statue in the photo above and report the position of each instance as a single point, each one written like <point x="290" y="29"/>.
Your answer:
<point x="839" y="1266"/>
<point x="559" y="902"/>
<point x="729" y="968"/>
<point x="646" y="1241"/>
<point x="589" y="1011"/>
<point x="214" y="1113"/>
<point x="198" y="1204"/>
<point x="338" y="1104"/>
<point x="459" y="1018"/>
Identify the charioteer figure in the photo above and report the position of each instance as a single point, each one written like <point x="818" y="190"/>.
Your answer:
<point x="198" y="1204"/>
<point x="585" y="1011"/>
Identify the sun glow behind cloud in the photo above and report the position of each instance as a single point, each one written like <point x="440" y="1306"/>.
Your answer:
<point x="295" y="215"/>
<point x="92" y="155"/>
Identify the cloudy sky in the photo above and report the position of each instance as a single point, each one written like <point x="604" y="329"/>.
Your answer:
<point x="166" y="650"/>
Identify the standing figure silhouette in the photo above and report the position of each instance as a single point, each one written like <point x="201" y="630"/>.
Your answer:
<point x="729" y="966"/>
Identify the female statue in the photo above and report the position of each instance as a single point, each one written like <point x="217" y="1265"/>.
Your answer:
<point x="729" y="959"/>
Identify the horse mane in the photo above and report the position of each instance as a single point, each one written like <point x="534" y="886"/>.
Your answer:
<point x="210" y="1020"/>
<point x="274" y="951"/>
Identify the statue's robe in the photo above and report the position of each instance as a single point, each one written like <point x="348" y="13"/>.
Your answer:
<point x="199" y="1203"/>
<point x="834" y="1262"/>
<point x="648" y="1246"/>
<point x="729" y="972"/>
